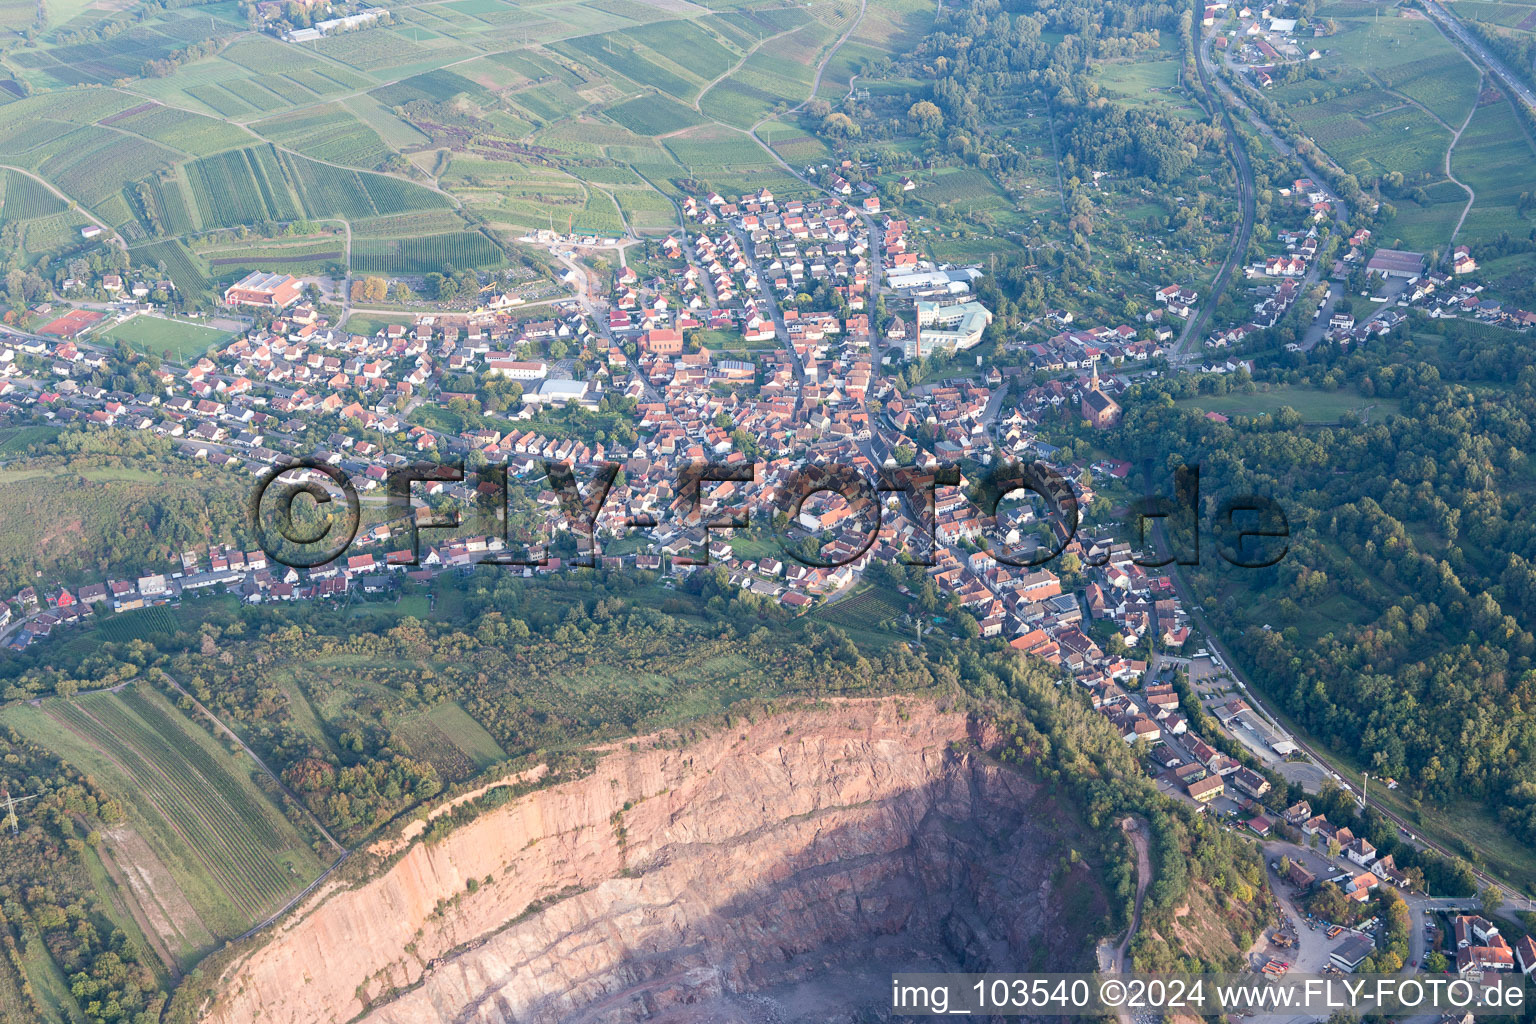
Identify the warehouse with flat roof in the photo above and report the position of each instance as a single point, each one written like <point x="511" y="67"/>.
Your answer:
<point x="1352" y="952"/>
<point x="1396" y="263"/>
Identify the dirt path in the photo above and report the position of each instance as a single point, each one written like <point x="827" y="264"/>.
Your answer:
<point x="1114" y="960"/>
<point x="815" y="88"/>
<point x="816" y="82"/>
<point x="158" y="907"/>
<point x="737" y="66"/>
<point x="1137" y="830"/>
<point x="1061" y="185"/>
<point x="1455" y="138"/>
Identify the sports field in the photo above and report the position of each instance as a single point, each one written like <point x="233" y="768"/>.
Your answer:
<point x="157" y="334"/>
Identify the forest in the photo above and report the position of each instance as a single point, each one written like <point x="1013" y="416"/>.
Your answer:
<point x="90" y="507"/>
<point x="1404" y="611"/>
<point x="987" y="59"/>
<point x="49" y="907"/>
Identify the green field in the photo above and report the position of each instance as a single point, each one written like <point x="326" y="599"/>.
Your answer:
<point x="1410" y="57"/>
<point x="369" y="325"/>
<point x="207" y="823"/>
<point x="654" y="114"/>
<point x="1145" y="81"/>
<point x="184" y="341"/>
<point x="457" y="745"/>
<point x="461" y="250"/>
<point x="1391" y="92"/>
<point x="15" y="440"/>
<point x="1314" y="405"/>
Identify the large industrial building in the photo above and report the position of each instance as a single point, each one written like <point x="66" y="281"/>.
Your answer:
<point x="271" y="291"/>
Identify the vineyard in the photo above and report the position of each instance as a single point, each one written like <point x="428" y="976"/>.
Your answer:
<point x="181" y="129"/>
<point x="653" y="114"/>
<point x="329" y="133"/>
<point x="301" y="261"/>
<point x="170" y="205"/>
<point x="138" y="624"/>
<point x="179" y="265"/>
<point x="232" y="852"/>
<point x="240" y="187"/>
<point x="99" y="160"/>
<point x="460" y="249"/>
<point x="368" y="51"/>
<point x="437" y="85"/>
<point x="25" y="199"/>
<point x="616" y="51"/>
<point x="122" y="56"/>
<point x="329" y="191"/>
<point x="704" y="55"/>
<point x="456" y="745"/>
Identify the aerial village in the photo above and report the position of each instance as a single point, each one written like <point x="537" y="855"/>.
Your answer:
<point x="786" y="386"/>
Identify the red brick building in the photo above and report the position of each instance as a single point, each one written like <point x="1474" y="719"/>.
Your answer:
<point x="662" y="341"/>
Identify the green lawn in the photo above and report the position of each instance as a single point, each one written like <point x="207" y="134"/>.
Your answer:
<point x="184" y="341"/>
<point x="467" y="734"/>
<point x="438" y="417"/>
<point x="1314" y="404"/>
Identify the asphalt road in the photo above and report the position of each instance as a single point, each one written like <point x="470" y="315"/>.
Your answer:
<point x="1194" y="330"/>
<point x="1447" y="21"/>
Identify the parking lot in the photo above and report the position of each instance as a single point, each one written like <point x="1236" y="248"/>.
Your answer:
<point x="1313" y="947"/>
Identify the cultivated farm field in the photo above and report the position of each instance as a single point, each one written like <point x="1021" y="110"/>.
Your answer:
<point x="229" y="849"/>
<point x="595" y="115"/>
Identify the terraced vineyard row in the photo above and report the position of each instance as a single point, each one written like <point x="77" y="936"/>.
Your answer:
<point x="171" y="202"/>
<point x="184" y="273"/>
<point x="459" y="250"/>
<point x="222" y="826"/>
<point x="242" y="186"/>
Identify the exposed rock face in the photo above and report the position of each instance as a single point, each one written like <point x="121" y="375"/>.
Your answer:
<point x="773" y="872"/>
